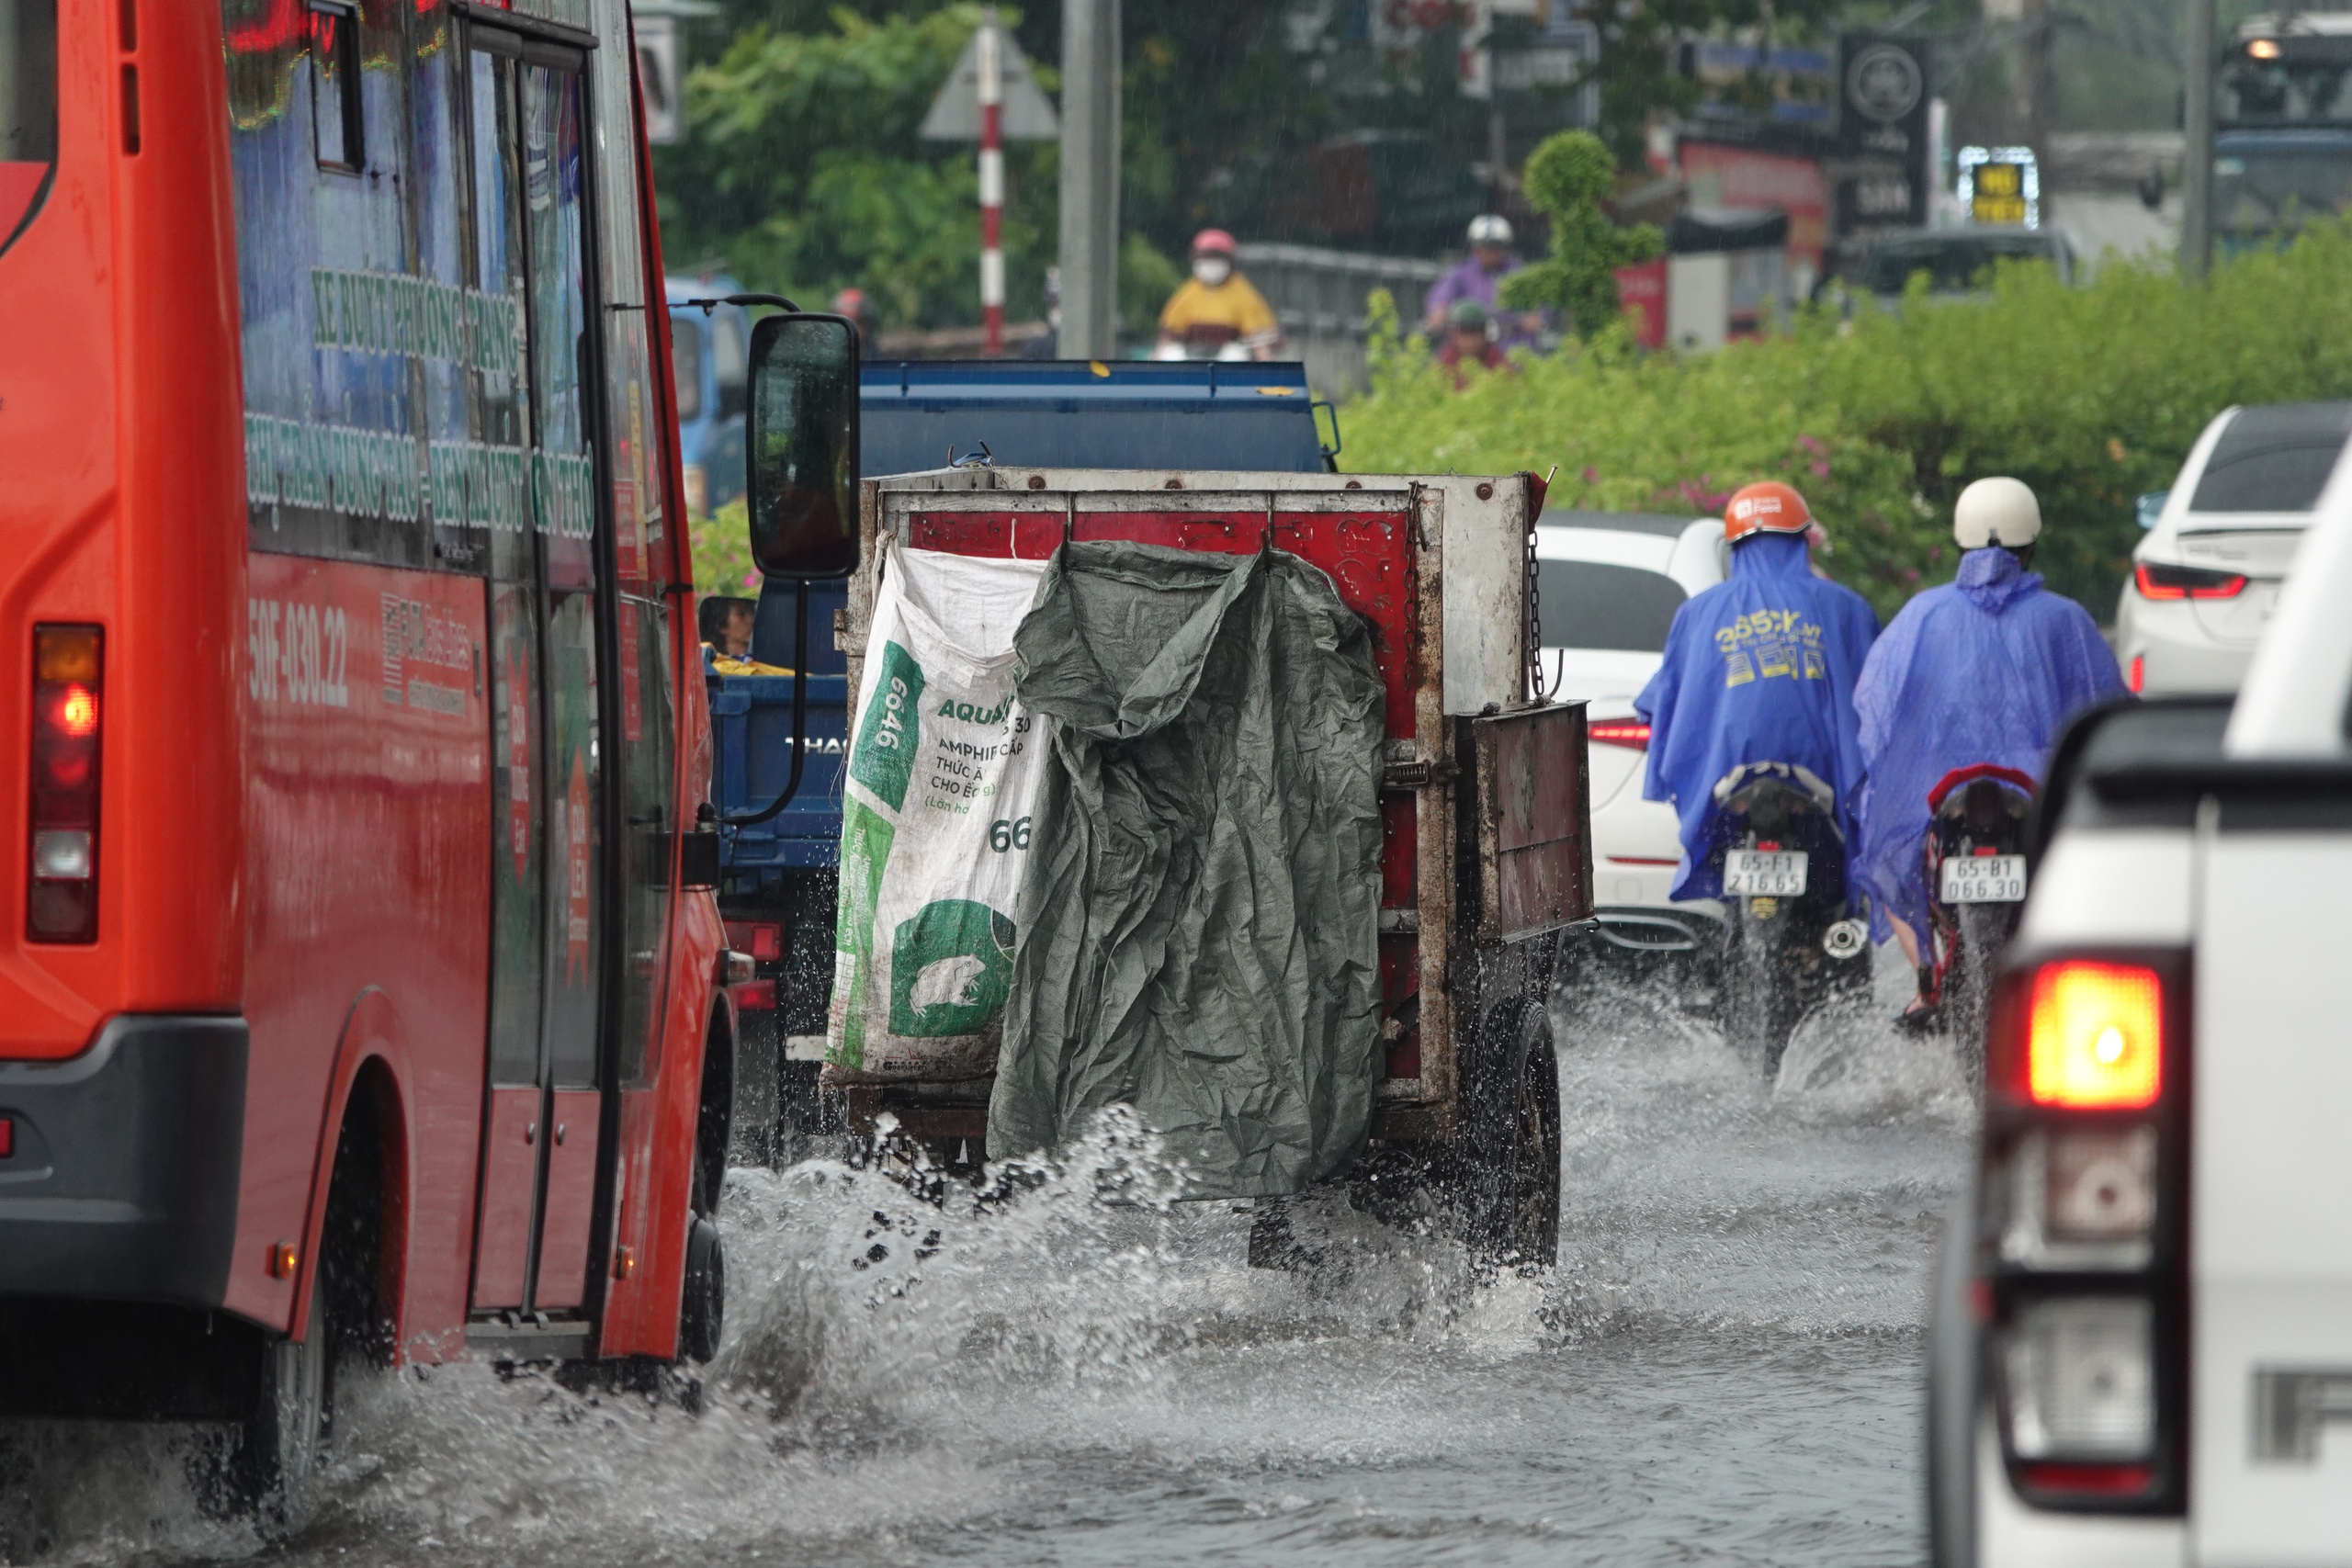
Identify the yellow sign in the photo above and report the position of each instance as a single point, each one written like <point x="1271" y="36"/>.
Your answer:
<point x="1997" y="194"/>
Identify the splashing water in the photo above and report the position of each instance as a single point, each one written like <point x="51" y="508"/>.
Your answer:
<point x="1723" y="1368"/>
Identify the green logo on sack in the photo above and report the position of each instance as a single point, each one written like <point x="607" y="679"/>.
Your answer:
<point x="884" y="757"/>
<point x="951" y="968"/>
<point x="866" y="852"/>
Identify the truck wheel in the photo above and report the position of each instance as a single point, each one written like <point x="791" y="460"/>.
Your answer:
<point x="1507" y="1163"/>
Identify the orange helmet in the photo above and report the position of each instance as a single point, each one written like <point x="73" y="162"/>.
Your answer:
<point x="1770" y="507"/>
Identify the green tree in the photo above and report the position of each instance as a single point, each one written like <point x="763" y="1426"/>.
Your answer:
<point x="803" y="173"/>
<point x="1567" y="179"/>
<point x="2091" y="395"/>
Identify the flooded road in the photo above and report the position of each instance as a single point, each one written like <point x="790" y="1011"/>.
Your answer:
<point x="1724" y="1369"/>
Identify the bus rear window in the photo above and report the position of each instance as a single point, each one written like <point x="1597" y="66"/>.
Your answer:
<point x="27" y="109"/>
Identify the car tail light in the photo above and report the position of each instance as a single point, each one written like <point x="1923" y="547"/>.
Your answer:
<point x="61" y="871"/>
<point x="2081" y="1260"/>
<point x="1631" y="734"/>
<point x="2081" y="1377"/>
<point x="2136" y="676"/>
<point x="2158" y="581"/>
<point x="2095" y="1037"/>
<point x="763" y="940"/>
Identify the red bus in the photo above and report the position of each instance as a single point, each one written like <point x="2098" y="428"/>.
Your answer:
<point x="361" y="990"/>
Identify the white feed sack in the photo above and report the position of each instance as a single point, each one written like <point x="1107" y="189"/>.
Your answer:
<point x="935" y="823"/>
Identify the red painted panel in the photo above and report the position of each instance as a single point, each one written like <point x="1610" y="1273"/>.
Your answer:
<point x="572" y="1194"/>
<point x="368" y="877"/>
<point x="1027" y="535"/>
<point x="510" y="1171"/>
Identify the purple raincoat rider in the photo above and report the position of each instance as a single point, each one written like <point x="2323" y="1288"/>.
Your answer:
<point x="1759" y="669"/>
<point x="1985" y="669"/>
<point x="1477" y="278"/>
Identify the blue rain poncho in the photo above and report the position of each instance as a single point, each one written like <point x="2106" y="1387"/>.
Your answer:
<point x="1985" y="669"/>
<point x="1759" y="669"/>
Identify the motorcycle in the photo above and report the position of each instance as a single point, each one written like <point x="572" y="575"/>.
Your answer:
<point x="1792" y="945"/>
<point x="1974" y="852"/>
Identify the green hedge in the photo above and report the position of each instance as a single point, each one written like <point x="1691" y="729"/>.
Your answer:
<point x="2091" y="395"/>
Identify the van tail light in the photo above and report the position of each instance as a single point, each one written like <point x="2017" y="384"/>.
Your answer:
<point x="2159" y="581"/>
<point x="2082" y="1256"/>
<point x="69" y="724"/>
<point x="1629" y="733"/>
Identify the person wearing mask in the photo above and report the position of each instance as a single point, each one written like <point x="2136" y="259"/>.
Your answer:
<point x="1217" y="306"/>
<point x="1987" y="668"/>
<point x="1477" y="278"/>
<point x="1470" y="339"/>
<point x="1759" y="669"/>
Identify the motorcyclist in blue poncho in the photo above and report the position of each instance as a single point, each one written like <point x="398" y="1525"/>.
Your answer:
<point x="1758" y="669"/>
<point x="1982" y="670"/>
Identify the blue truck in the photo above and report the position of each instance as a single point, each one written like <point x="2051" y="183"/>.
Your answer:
<point x="778" y="874"/>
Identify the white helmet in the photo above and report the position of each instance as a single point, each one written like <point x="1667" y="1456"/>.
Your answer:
<point x="1996" y="512"/>
<point x="1491" y="229"/>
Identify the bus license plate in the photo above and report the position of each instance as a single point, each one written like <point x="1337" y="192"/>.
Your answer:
<point x="1768" y="874"/>
<point x="1984" y="879"/>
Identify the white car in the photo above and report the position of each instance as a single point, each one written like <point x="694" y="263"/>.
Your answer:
<point x="1608" y="585"/>
<point x="2205" y="578"/>
<point x="2140" y="1349"/>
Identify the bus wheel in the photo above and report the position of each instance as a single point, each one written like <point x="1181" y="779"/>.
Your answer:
<point x="702" y="1315"/>
<point x="285" y="1437"/>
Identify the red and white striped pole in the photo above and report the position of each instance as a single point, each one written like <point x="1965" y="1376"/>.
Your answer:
<point x="992" y="185"/>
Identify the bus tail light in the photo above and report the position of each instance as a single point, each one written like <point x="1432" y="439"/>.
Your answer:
<point x="2081" y="1261"/>
<point x="61" y="880"/>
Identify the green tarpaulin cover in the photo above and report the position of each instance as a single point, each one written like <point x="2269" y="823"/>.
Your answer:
<point x="1200" y="914"/>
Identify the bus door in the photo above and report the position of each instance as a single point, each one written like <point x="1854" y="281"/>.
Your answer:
<point x="530" y="239"/>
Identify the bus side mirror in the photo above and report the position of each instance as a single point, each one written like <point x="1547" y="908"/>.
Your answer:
<point x="800" y="458"/>
<point x="2149" y="507"/>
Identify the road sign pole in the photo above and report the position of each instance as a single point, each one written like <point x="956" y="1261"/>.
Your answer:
<point x="992" y="185"/>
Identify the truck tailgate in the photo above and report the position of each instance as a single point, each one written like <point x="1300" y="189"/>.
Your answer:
<point x="2270" y="1472"/>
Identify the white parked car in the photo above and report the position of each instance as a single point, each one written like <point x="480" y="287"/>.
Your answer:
<point x="2142" y="1340"/>
<point x="1611" y="582"/>
<point x="2205" y="578"/>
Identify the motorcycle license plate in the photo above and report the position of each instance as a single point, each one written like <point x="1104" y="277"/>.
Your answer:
<point x="1768" y="874"/>
<point x="1984" y="879"/>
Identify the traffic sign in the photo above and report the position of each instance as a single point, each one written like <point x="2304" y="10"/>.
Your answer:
<point x="956" y="113"/>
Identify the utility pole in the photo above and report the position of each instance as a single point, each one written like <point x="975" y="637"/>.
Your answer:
<point x="2033" y="81"/>
<point x="1090" y="240"/>
<point x="2197" y="143"/>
